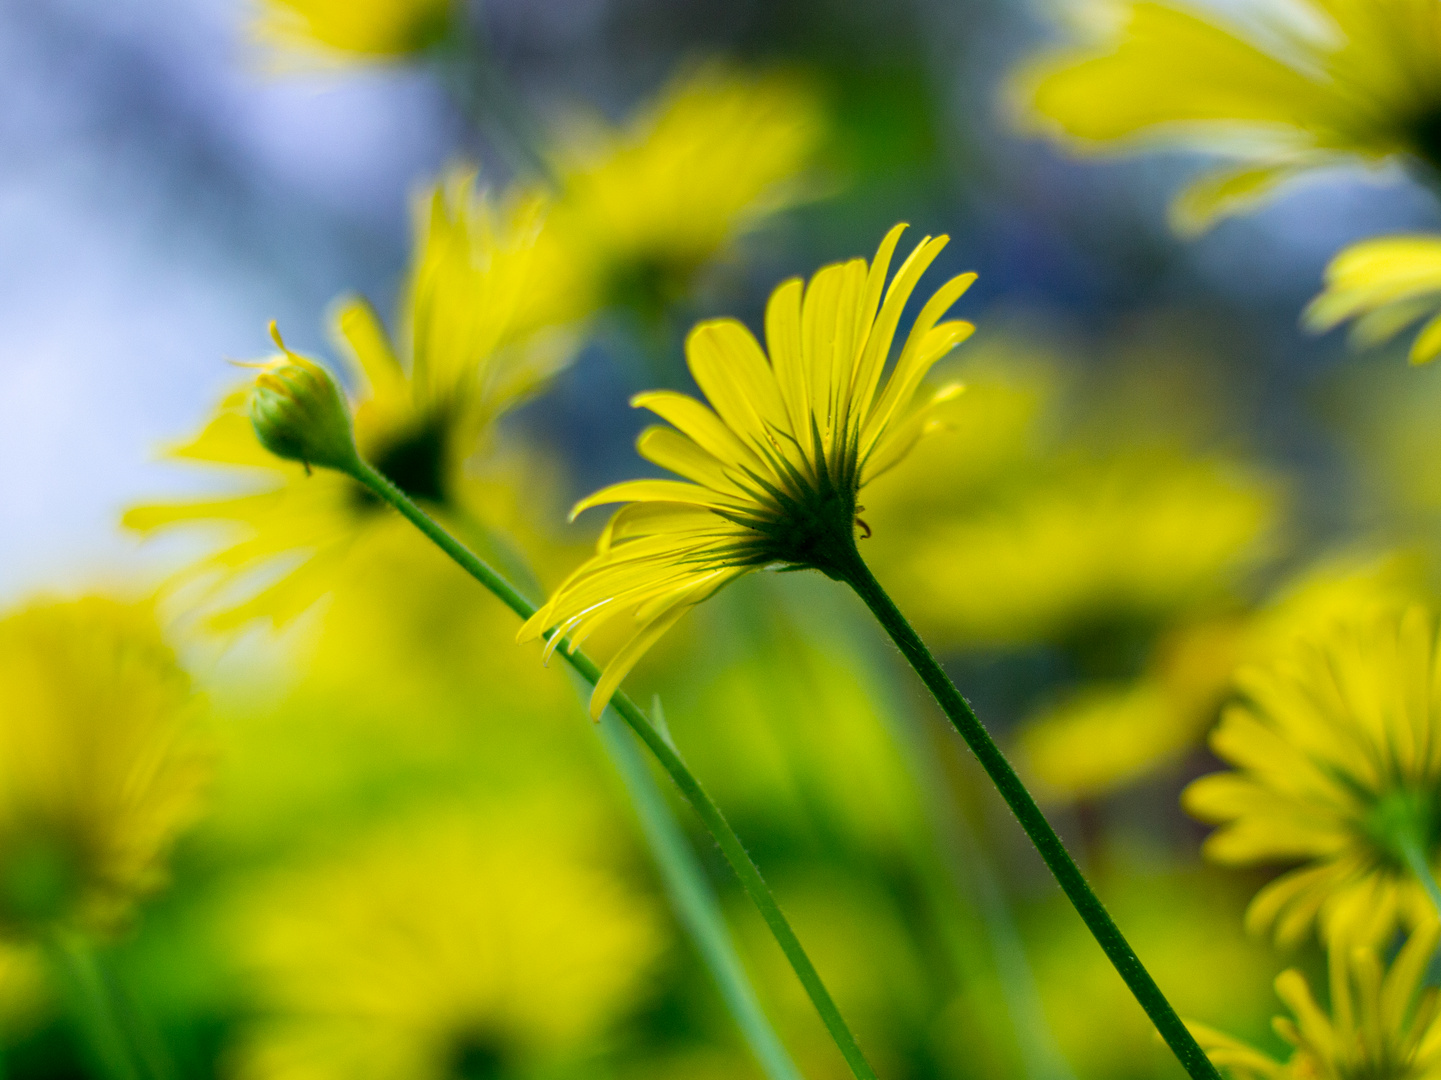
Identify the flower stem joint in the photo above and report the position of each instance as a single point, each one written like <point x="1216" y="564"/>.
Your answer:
<point x="299" y="413"/>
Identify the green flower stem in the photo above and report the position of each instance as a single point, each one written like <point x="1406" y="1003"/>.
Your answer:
<point x="694" y="902"/>
<point x="96" y="1012"/>
<point x="710" y="815"/>
<point x="1414" y="852"/>
<point x="1073" y="883"/>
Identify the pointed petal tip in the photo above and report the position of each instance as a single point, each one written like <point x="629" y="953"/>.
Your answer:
<point x="597" y="705"/>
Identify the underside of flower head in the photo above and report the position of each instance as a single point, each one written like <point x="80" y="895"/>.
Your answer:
<point x="1338" y="769"/>
<point x="1323" y="83"/>
<point x="772" y="467"/>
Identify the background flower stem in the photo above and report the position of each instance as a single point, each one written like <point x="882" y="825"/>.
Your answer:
<point x="710" y="814"/>
<point x="694" y="902"/>
<point x="1414" y="852"/>
<point x="1073" y="883"/>
<point x="93" y="1005"/>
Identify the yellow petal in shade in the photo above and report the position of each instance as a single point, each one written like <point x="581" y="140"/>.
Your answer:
<point x="1336" y="745"/>
<point x="1384" y="285"/>
<point x="772" y="461"/>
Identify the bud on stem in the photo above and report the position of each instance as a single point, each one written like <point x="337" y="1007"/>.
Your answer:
<point x="299" y="413"/>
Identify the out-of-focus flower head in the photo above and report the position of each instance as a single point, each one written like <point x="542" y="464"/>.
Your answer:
<point x="1337" y="753"/>
<point x="477" y="335"/>
<point x="1104" y="735"/>
<point x="354" y="30"/>
<point x="1382" y="1022"/>
<point x="646" y="206"/>
<point x="100" y="764"/>
<point x="773" y="468"/>
<point x="1307" y="85"/>
<point x="1385" y="285"/>
<point x="1126" y="537"/>
<point x="452" y="947"/>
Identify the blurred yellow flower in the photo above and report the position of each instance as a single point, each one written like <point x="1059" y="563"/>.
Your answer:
<point x="644" y="207"/>
<point x="1382" y="1023"/>
<point x="1386" y="285"/>
<point x="1338" y="767"/>
<point x="1103" y="735"/>
<point x="1314" y="84"/>
<point x="1110" y="539"/>
<point x="100" y="764"/>
<point x="477" y="336"/>
<point x="775" y="469"/>
<point x="355" y="29"/>
<point x="445" y="948"/>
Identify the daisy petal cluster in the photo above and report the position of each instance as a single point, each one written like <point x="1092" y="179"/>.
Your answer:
<point x="1386" y="285"/>
<point x="1382" y="1023"/>
<point x="478" y="333"/>
<point x="772" y="467"/>
<point x="1322" y="83"/>
<point x="1336" y="750"/>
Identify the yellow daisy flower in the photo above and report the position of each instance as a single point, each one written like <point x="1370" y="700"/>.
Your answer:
<point x="477" y="336"/>
<point x="1337" y="754"/>
<point x="644" y="207"/>
<point x="1321" y="83"/>
<point x="1382" y="1023"/>
<point x="447" y="948"/>
<point x="355" y="29"/>
<point x="1386" y="285"/>
<point x="100" y="766"/>
<point x="775" y="467"/>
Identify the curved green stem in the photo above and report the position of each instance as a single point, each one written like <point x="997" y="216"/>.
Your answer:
<point x="710" y="814"/>
<point x="1073" y="883"/>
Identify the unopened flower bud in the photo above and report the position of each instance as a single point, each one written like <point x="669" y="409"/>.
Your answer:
<point x="300" y="414"/>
